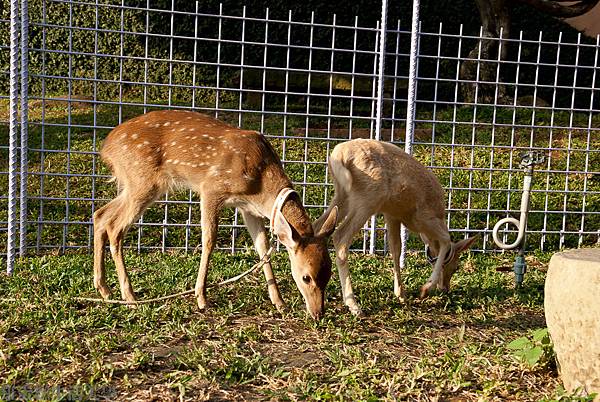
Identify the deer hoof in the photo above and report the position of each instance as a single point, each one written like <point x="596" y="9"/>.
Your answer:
<point x="401" y="295"/>
<point x="426" y="289"/>
<point x="281" y="307"/>
<point x="104" y="292"/>
<point x="202" y="304"/>
<point x="131" y="301"/>
<point x="356" y="311"/>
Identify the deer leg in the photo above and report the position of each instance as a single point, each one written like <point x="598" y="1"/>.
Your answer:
<point x="435" y="280"/>
<point x="396" y="248"/>
<point x="209" y="210"/>
<point x="261" y="243"/>
<point x="129" y="206"/>
<point x="342" y="238"/>
<point x="100" y="239"/>
<point x="116" y="230"/>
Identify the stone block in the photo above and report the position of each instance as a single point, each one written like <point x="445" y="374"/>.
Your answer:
<point x="572" y="308"/>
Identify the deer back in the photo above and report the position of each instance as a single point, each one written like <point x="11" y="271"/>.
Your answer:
<point x="181" y="148"/>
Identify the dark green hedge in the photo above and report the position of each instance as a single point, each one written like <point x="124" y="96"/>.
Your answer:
<point x="82" y="67"/>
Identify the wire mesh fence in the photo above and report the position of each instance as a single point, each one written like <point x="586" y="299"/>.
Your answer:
<point x="307" y="84"/>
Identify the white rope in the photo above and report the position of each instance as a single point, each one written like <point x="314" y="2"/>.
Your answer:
<point x="281" y="197"/>
<point x="265" y="259"/>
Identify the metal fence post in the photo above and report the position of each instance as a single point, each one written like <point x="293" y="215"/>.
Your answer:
<point x="379" y="112"/>
<point x="24" y="126"/>
<point x="411" y="104"/>
<point x="12" y="147"/>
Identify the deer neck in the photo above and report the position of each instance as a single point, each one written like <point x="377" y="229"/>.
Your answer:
<point x="289" y="204"/>
<point x="294" y="212"/>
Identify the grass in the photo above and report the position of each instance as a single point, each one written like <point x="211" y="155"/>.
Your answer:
<point x="449" y="347"/>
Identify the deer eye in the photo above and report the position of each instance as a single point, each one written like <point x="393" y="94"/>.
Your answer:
<point x="306" y="279"/>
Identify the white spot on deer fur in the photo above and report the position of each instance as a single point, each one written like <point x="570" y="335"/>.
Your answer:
<point x="136" y="163"/>
<point x="213" y="171"/>
<point x="169" y="160"/>
<point x="189" y="118"/>
<point x="177" y="122"/>
<point x="194" y="137"/>
<point x="134" y="136"/>
<point x="174" y="142"/>
<point x="181" y="146"/>
<point x="182" y="129"/>
<point x="192" y="129"/>
<point x="124" y="147"/>
<point x="196" y="155"/>
<point x="205" y="135"/>
<point x="140" y="145"/>
<point x="167" y="124"/>
<point x="228" y="170"/>
<point x="146" y="143"/>
<point x="214" y="154"/>
<point x="176" y="161"/>
<point x="146" y="122"/>
<point x="187" y="137"/>
<point x="184" y="150"/>
<point x="164" y="154"/>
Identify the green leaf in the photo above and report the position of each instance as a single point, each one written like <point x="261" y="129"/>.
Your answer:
<point x="533" y="355"/>
<point x="540" y="334"/>
<point x="519" y="343"/>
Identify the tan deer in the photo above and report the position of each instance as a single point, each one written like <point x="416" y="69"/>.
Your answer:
<point x="226" y="166"/>
<point x="373" y="177"/>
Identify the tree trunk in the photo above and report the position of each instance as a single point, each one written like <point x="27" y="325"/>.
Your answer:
<point x="483" y="64"/>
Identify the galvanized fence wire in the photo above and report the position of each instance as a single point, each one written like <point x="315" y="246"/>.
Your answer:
<point x="309" y="85"/>
<point x="543" y="96"/>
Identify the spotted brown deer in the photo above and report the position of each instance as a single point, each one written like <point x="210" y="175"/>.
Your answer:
<point x="373" y="177"/>
<point x="226" y="166"/>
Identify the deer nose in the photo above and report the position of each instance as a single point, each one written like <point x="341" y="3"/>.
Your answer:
<point x="317" y="312"/>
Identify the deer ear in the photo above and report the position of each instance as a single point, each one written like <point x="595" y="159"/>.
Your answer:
<point x="329" y="226"/>
<point x="284" y="231"/>
<point x="465" y="244"/>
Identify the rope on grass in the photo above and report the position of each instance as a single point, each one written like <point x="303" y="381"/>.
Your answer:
<point x="265" y="259"/>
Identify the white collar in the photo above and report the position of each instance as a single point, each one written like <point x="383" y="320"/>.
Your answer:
<point x="281" y="197"/>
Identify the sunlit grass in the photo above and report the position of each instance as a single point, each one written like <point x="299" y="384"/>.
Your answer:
<point x="448" y="347"/>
